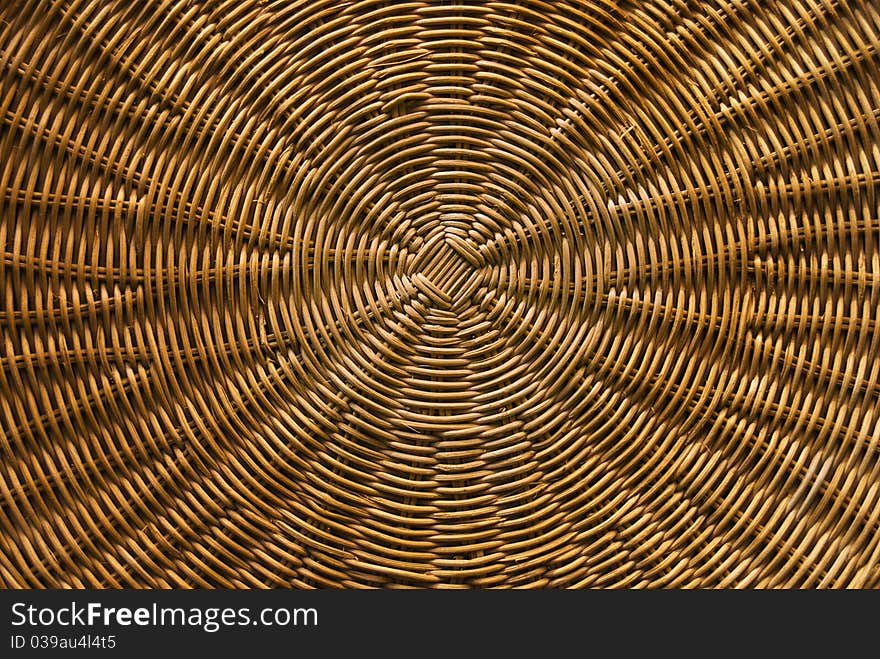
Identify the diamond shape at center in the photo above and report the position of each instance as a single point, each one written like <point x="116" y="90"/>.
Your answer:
<point x="443" y="269"/>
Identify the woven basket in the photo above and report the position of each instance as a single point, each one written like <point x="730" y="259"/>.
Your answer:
<point x="480" y="294"/>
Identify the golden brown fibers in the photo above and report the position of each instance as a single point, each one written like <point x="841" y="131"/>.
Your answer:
<point x="440" y="294"/>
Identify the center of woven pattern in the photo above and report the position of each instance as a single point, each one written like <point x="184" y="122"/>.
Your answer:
<point x="454" y="295"/>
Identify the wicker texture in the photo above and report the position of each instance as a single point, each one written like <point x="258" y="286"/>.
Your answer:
<point x="534" y="294"/>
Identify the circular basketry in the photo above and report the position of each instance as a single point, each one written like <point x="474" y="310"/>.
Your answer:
<point x="479" y="294"/>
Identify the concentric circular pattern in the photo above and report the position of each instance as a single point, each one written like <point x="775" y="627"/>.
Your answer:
<point x="546" y="294"/>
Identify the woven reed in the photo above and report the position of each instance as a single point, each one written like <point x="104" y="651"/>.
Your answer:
<point x="534" y="294"/>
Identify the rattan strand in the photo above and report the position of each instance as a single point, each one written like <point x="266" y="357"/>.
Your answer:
<point x="527" y="294"/>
